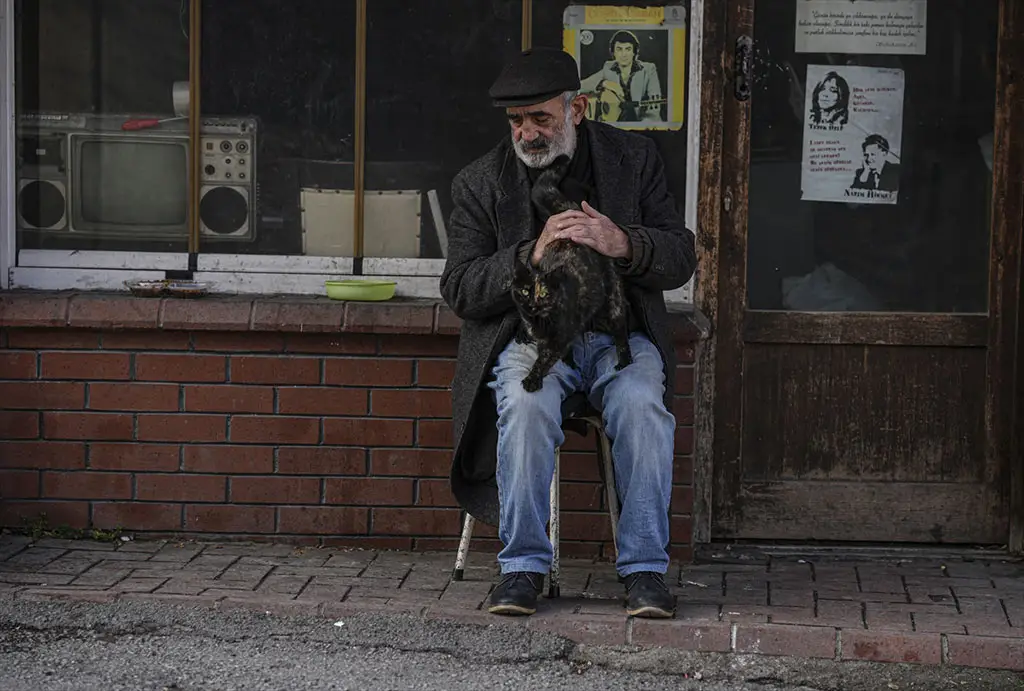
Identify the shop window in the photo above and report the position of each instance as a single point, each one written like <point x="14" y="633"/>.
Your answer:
<point x="86" y="74"/>
<point x="871" y="173"/>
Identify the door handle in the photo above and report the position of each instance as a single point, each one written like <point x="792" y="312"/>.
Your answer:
<point x="743" y="67"/>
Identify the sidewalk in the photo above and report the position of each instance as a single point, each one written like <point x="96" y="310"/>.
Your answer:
<point x="956" y="611"/>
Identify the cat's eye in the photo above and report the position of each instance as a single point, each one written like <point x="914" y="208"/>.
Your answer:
<point x="525" y="291"/>
<point x="542" y="291"/>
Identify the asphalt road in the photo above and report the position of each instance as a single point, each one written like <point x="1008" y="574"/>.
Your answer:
<point x="56" y="646"/>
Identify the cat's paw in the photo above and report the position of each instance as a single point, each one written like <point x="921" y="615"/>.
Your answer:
<point x="532" y="383"/>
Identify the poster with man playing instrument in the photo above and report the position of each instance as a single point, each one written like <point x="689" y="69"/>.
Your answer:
<point x="632" y="63"/>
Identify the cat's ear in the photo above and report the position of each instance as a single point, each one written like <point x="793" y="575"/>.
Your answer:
<point x="522" y="272"/>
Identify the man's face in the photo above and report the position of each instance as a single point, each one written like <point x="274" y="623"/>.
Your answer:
<point x="624" y="54"/>
<point x="542" y="132"/>
<point x="873" y="156"/>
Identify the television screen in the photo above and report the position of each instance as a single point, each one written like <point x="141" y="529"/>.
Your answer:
<point x="132" y="183"/>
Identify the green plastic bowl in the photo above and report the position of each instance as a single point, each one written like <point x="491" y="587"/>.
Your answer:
<point x="374" y="291"/>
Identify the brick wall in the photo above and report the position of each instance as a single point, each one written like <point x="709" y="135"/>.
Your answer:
<point x="332" y="438"/>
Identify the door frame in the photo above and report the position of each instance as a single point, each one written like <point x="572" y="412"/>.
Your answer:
<point x="721" y="271"/>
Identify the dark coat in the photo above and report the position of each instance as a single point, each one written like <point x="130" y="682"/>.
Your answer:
<point x="491" y="221"/>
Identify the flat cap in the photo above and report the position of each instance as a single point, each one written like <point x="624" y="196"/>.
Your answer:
<point x="534" y="76"/>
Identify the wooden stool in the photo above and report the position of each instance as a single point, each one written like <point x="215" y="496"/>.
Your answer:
<point x="577" y="415"/>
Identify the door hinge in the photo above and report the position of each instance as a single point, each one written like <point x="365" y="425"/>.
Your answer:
<point x="743" y="67"/>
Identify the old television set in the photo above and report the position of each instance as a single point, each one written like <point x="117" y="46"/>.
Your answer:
<point x="85" y="176"/>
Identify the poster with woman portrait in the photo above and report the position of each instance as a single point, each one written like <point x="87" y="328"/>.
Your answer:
<point x="853" y="134"/>
<point x="632" y="63"/>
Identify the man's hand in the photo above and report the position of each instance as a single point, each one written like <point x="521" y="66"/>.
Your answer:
<point x="550" y="232"/>
<point x="595" y="230"/>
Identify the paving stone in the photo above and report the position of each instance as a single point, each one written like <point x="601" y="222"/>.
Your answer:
<point x="353" y="560"/>
<point x="147" y="546"/>
<point x="793" y="615"/>
<point x="210" y="561"/>
<point x="974" y="651"/>
<point x="248" y="549"/>
<point x="425" y="596"/>
<point x="419" y="580"/>
<point x="386" y="571"/>
<point x="30" y="578"/>
<point x="883" y="646"/>
<point x="791" y="598"/>
<point x="31" y="558"/>
<point x="138" y="585"/>
<point x="697" y="613"/>
<point x="109" y="555"/>
<point x="99" y="577"/>
<point x="592" y="630"/>
<point x="840" y="613"/>
<point x="802" y="641"/>
<point x="12" y="544"/>
<point x="245" y="572"/>
<point x="324" y="593"/>
<point x="939" y="623"/>
<point x="92" y="545"/>
<point x="682" y="635"/>
<point x="174" y="551"/>
<point x="283" y="585"/>
<point x="316" y="571"/>
<point x="68" y="564"/>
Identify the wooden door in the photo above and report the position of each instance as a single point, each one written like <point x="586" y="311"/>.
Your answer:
<point x="864" y="340"/>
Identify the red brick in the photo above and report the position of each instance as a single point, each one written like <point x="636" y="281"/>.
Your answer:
<point x="42" y="455"/>
<point x="881" y="646"/>
<point x="180" y="487"/>
<point x="218" y="314"/>
<point x="333" y="520"/>
<point x="19" y="484"/>
<point x="419" y="346"/>
<point x="239" y="342"/>
<point x="144" y="457"/>
<point x="445" y="322"/>
<point x="33" y="309"/>
<point x="87" y="426"/>
<point x="182" y="428"/>
<point x="322" y="460"/>
<point x="298" y="315"/>
<point x="681" y="528"/>
<point x="988" y="652"/>
<point x="86" y="485"/>
<point x="682" y="470"/>
<point x="254" y="369"/>
<point x="339" y="344"/>
<point x="74" y="514"/>
<point x="146" y="340"/>
<point x="686" y="352"/>
<point x="367" y="432"/>
<point x="580" y="467"/>
<point x="411" y="462"/>
<point x="229" y="459"/>
<point x="18" y="365"/>
<point x="684" y="441"/>
<point x="39" y="395"/>
<point x="229" y="519"/>
<point x="309" y="400"/>
<point x="112" y="312"/>
<point x="53" y="339"/>
<point x="368" y="491"/>
<point x="581" y="496"/>
<point x="133" y="397"/>
<point x="388" y="317"/>
<point x="779" y="639"/>
<point x="586" y="525"/>
<point x="435" y="493"/>
<point x="444" y="522"/>
<point x="411" y="403"/>
<point x="367" y="372"/>
<point x="434" y="433"/>
<point x="591" y="630"/>
<point x="682" y="408"/>
<point x="682" y="499"/>
<point x="136" y="516"/>
<point x="275" y="430"/>
<point x="275" y="490"/>
<point x="223" y="398"/>
<point x="91" y="366"/>
<point x="704" y="638"/>
<point x="684" y="381"/>
<point x="437" y="373"/>
<point x="180" y="368"/>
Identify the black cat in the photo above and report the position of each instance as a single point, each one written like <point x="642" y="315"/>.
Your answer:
<point x="573" y="288"/>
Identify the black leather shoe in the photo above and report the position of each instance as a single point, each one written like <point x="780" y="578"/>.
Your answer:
<point x="648" y="596"/>
<point x="516" y="593"/>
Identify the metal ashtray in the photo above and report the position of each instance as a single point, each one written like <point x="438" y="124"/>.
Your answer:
<point x="188" y="289"/>
<point x="146" y="289"/>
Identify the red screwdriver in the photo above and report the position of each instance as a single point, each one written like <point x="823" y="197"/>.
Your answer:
<point x="146" y="124"/>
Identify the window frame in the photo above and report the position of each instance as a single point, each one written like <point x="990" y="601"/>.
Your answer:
<point x="253" y="273"/>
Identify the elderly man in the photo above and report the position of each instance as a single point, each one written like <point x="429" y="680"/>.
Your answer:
<point x="505" y="437"/>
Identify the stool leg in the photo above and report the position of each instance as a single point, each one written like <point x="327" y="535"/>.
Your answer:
<point x="460" y="557"/>
<point x="604" y="450"/>
<point x="553" y="522"/>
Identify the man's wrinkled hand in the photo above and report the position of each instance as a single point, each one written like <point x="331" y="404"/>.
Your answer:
<point x="595" y="230"/>
<point x="551" y="230"/>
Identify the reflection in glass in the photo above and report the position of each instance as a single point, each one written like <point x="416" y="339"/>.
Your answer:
<point x="278" y="104"/>
<point x="429" y="65"/>
<point x="102" y="156"/>
<point x="890" y="209"/>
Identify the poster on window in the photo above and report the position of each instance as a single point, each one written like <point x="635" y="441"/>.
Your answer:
<point x="853" y="134"/>
<point x="632" y="63"/>
<point x="866" y="27"/>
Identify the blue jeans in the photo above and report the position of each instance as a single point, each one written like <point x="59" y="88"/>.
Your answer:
<point x="641" y="431"/>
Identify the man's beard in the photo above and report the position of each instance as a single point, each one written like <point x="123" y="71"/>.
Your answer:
<point x="542" y="152"/>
